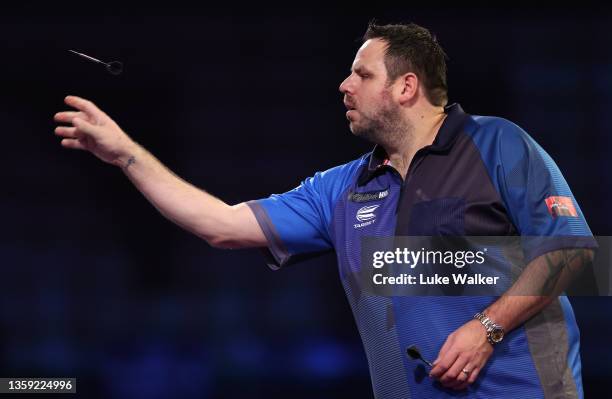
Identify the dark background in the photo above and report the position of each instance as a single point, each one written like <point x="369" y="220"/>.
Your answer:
<point x="95" y="284"/>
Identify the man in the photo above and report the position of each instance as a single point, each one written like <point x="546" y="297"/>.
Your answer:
<point x="435" y="170"/>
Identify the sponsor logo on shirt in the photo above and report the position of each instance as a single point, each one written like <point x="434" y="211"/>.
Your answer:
<point x="561" y="206"/>
<point x="369" y="196"/>
<point x="366" y="216"/>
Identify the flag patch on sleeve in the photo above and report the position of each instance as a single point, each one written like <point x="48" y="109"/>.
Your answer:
<point x="560" y="206"/>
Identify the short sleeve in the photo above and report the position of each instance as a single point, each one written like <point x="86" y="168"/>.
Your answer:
<point x="539" y="200"/>
<point x="297" y="223"/>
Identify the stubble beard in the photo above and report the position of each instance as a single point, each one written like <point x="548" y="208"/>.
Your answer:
<point x="384" y="126"/>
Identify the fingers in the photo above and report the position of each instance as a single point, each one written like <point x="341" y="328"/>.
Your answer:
<point x="454" y="375"/>
<point x="83" y="126"/>
<point x="471" y="379"/>
<point x="80" y="128"/>
<point x="443" y="364"/>
<point x="461" y="377"/>
<point x="473" y="375"/>
<point x="73" y="144"/>
<point x="461" y="387"/>
<point x="68" y="116"/>
<point x="67" y="132"/>
<point x="86" y="106"/>
<point x="447" y="344"/>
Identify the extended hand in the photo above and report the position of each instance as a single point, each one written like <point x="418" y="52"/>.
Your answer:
<point x="465" y="349"/>
<point x="94" y="131"/>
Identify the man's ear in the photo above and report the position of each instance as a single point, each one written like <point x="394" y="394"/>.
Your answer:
<point x="409" y="86"/>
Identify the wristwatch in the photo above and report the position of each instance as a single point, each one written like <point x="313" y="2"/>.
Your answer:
<point x="495" y="332"/>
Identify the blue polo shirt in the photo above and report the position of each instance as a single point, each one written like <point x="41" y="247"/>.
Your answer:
<point x="482" y="176"/>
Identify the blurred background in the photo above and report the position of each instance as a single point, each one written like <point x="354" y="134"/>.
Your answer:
<point x="96" y="285"/>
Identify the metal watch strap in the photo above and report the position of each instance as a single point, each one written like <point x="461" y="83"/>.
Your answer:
<point x="488" y="324"/>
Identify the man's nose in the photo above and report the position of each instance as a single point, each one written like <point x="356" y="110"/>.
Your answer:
<point x="345" y="85"/>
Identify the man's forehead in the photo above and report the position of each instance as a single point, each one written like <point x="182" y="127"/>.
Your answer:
<point x="370" y="53"/>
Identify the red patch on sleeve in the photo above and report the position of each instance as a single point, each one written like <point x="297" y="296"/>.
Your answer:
<point x="560" y="206"/>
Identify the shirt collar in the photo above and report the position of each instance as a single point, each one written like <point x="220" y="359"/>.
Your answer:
<point x="452" y="125"/>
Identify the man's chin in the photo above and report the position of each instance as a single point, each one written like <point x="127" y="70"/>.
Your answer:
<point x="362" y="133"/>
<point x="355" y="129"/>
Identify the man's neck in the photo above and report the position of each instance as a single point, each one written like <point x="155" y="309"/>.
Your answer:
<point x="423" y="131"/>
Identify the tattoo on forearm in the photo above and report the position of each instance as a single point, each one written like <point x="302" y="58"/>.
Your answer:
<point x="571" y="261"/>
<point x="130" y="161"/>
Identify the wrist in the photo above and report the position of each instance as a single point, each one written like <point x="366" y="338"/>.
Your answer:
<point x="494" y="332"/>
<point x="128" y="156"/>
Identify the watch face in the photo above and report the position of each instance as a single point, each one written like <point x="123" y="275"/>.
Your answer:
<point x="497" y="334"/>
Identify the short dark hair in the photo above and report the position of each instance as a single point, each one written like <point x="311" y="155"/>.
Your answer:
<point x="412" y="48"/>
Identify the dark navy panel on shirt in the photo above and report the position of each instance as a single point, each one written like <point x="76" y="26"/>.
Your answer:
<point x="481" y="176"/>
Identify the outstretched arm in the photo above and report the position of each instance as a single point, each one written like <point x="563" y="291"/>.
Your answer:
<point x="220" y="224"/>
